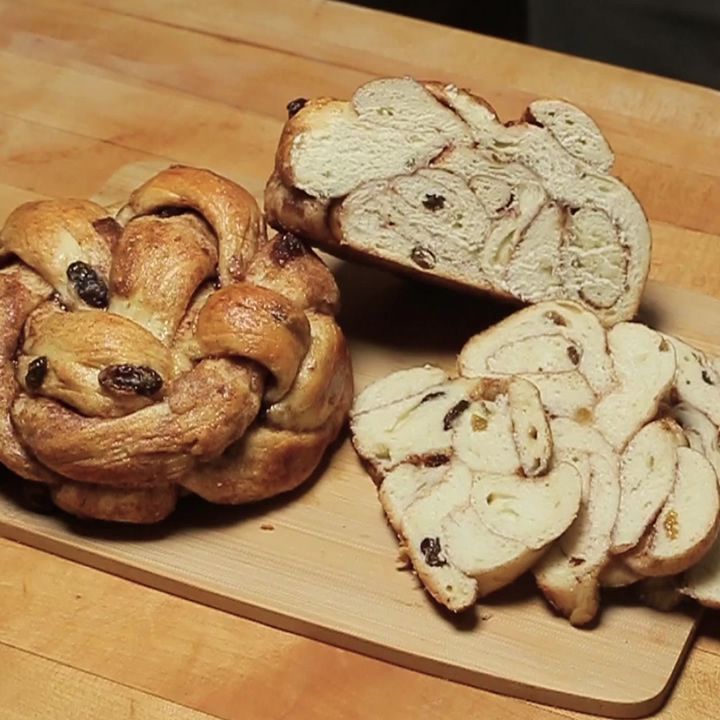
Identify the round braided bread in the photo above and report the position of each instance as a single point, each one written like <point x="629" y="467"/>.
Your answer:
<point x="172" y="349"/>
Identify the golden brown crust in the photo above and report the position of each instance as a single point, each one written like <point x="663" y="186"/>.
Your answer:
<point x="141" y="286"/>
<point x="287" y="208"/>
<point x="49" y="235"/>
<point x="108" y="503"/>
<point x="248" y="321"/>
<point x="320" y="381"/>
<point x="266" y="461"/>
<point x="21" y="291"/>
<point x="229" y="209"/>
<point x="287" y="266"/>
<point x="77" y="346"/>
<point x="214" y="355"/>
<point x="205" y="410"/>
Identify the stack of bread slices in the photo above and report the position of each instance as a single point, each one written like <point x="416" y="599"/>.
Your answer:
<point x="584" y="454"/>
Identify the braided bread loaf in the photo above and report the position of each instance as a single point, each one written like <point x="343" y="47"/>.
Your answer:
<point x="423" y="177"/>
<point x="173" y="349"/>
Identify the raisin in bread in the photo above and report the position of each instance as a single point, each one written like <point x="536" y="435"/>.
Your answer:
<point x="465" y="477"/>
<point x="423" y="177"/>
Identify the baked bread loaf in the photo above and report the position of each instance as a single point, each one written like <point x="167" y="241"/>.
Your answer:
<point x="545" y="395"/>
<point x="424" y="178"/>
<point x="173" y="349"/>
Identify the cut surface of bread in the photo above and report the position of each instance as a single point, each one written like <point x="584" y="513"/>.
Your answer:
<point x="418" y="426"/>
<point x="558" y="346"/>
<point x="465" y="478"/>
<point x="424" y="177"/>
<point x="644" y="366"/>
<point x="648" y="468"/>
<point x="698" y="379"/>
<point x="687" y="525"/>
<point x="560" y="449"/>
<point x="569" y="574"/>
<point x="702" y="433"/>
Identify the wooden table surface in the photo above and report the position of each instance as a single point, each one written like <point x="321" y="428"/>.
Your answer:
<point x="87" y="87"/>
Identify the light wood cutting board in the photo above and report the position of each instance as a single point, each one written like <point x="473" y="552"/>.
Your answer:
<point x="320" y="562"/>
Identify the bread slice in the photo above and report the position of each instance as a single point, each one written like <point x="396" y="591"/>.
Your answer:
<point x="504" y="430"/>
<point x="404" y="484"/>
<point x="687" y="525"/>
<point x="392" y="423"/>
<point x="558" y="346"/>
<point x="648" y="468"/>
<point x="644" y="366"/>
<point x="569" y="574"/>
<point x="702" y="581"/>
<point x="399" y="385"/>
<point x="698" y="379"/>
<point x="508" y="523"/>
<point x="424" y="177"/>
<point x="702" y="434"/>
<point x="472" y="534"/>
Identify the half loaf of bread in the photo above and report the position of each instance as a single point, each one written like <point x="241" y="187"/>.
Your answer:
<point x="424" y="177"/>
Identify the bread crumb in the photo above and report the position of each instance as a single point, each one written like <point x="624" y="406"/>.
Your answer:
<point x="402" y="561"/>
<point x="267" y="526"/>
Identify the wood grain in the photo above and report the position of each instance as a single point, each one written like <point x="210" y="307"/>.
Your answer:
<point x="63" y="692"/>
<point x="227" y="64"/>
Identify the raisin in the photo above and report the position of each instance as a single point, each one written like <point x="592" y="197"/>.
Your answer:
<point x="479" y="423"/>
<point x="295" y="106"/>
<point x="428" y="460"/>
<point x="432" y="396"/>
<point x="664" y="345"/>
<point x="88" y="284"/>
<point x="707" y="377"/>
<point x="575" y="561"/>
<point x="36" y="372"/>
<point x="433" y="202"/>
<point x="109" y="228"/>
<point x="432" y="550"/>
<point x="422" y="257"/>
<point x="573" y="354"/>
<point x="454" y="413"/>
<point x="556" y="318"/>
<point x="168" y="211"/>
<point x="435" y="460"/>
<point x="130" y="379"/>
<point x="286" y="248"/>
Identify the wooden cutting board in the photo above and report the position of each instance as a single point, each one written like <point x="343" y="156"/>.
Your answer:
<point x="321" y="562"/>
